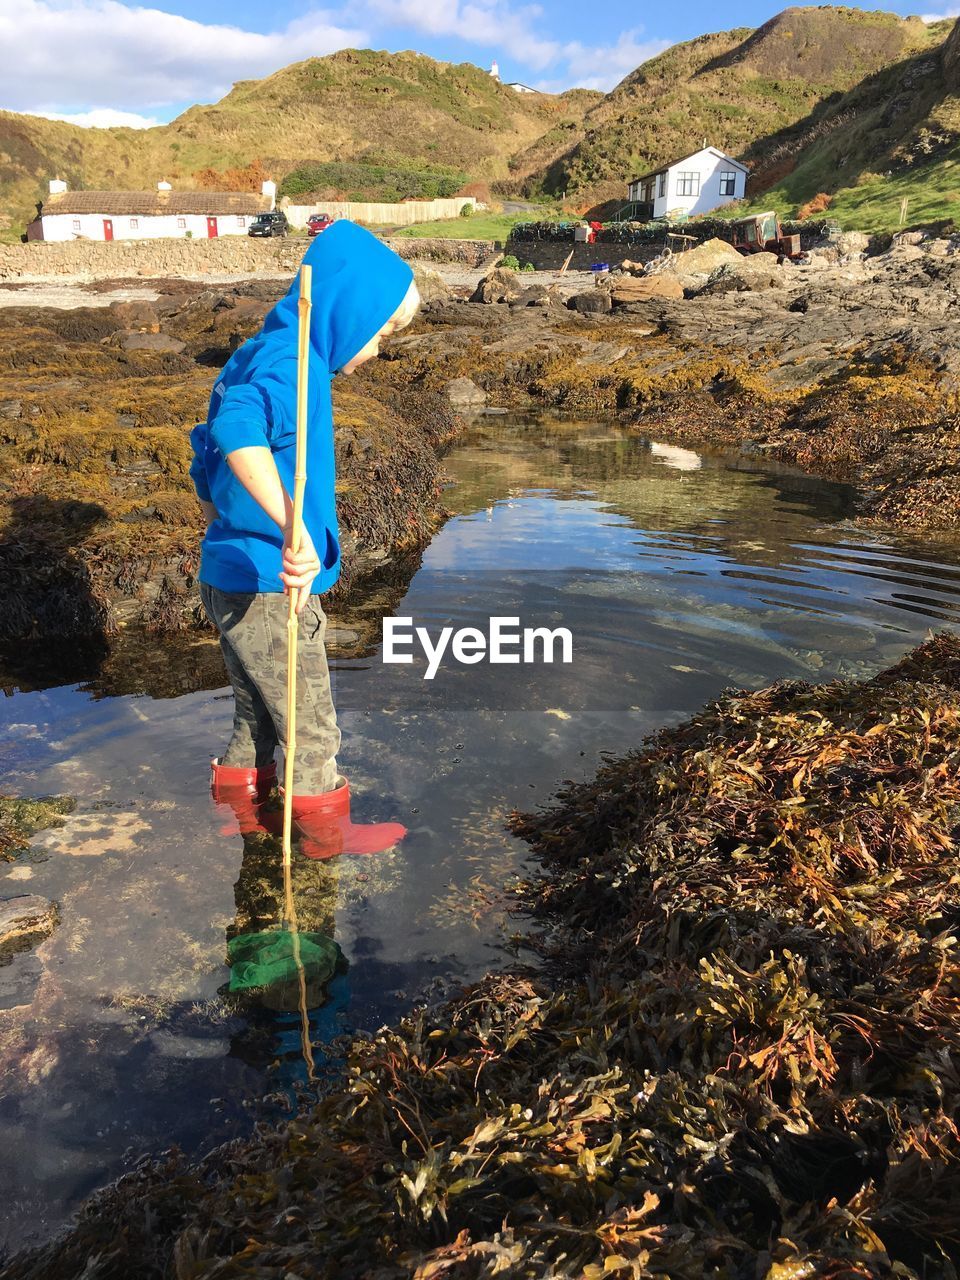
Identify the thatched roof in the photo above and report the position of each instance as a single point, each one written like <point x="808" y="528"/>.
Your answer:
<point x="144" y="203"/>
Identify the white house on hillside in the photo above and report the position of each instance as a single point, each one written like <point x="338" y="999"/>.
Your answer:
<point x="693" y="184"/>
<point x="516" y="85"/>
<point x="147" y="215"/>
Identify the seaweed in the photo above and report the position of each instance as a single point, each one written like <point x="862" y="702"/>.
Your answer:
<point x="738" y="1057"/>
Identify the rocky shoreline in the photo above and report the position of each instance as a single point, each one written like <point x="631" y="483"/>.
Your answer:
<point x="845" y="365"/>
<point x="737" y="1053"/>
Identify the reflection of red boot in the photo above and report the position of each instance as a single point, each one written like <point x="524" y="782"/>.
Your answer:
<point x="243" y="791"/>
<point x="325" y="830"/>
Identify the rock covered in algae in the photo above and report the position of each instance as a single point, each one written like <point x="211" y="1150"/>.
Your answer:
<point x="740" y="1058"/>
<point x="24" y="921"/>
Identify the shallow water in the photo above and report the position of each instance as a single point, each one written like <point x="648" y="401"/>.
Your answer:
<point x="677" y="575"/>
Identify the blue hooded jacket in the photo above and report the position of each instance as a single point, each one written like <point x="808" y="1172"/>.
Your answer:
<point x="358" y="284"/>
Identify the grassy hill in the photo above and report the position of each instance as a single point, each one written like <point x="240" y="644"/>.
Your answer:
<point x="893" y="137"/>
<point x="730" y="88"/>
<point x="422" y="114"/>
<point x="861" y="106"/>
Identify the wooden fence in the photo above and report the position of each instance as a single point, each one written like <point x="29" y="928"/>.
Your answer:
<point x="379" y="215"/>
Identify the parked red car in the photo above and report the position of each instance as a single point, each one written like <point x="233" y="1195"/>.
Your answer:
<point x="318" y="222"/>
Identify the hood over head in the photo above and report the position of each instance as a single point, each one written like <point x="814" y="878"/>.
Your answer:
<point x="357" y="284"/>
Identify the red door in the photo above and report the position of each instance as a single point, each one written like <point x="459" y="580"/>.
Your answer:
<point x="108" y="228"/>
<point x="211" y="228"/>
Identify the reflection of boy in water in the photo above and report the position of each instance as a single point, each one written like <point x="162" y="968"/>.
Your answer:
<point x="243" y="472"/>
<point x="258" y="893"/>
<point x="291" y="1013"/>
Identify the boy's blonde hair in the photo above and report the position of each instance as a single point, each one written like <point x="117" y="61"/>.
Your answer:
<point x="405" y="312"/>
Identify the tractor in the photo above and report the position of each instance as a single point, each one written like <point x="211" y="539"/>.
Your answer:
<point x="762" y="232"/>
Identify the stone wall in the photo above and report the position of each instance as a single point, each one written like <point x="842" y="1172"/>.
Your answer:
<point x="549" y="255"/>
<point x="234" y="255"/>
<point x="467" y="253"/>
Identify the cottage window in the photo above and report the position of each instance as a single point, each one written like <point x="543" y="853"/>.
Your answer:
<point x="241" y="221"/>
<point x="663" y="185"/>
<point x="134" y="224"/>
<point x="181" y="224"/>
<point x="728" y="182"/>
<point x="76" y="224"/>
<point x="688" y="184"/>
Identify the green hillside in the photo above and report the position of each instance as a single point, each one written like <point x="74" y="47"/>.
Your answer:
<point x="863" y="107"/>
<point x="421" y="114"/>
<point x="894" y="137"/>
<point x="729" y="88"/>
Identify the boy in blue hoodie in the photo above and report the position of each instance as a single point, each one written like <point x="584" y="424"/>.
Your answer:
<point x="244" y="456"/>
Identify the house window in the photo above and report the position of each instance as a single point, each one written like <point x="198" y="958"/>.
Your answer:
<point x="181" y="224"/>
<point x="688" y="184"/>
<point x="663" y="185"/>
<point x="76" y="224"/>
<point x="134" y="224"/>
<point x="728" y="182"/>
<point x="241" y="222"/>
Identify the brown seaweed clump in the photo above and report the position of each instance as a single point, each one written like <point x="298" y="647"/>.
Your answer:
<point x="99" y="525"/>
<point x="740" y="1060"/>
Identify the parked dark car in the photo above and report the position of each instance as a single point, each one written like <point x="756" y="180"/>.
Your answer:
<point x="318" y="222"/>
<point x="269" y="224"/>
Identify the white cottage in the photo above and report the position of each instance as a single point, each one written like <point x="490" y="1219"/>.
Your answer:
<point x="695" y="184"/>
<point x="147" y="215"/>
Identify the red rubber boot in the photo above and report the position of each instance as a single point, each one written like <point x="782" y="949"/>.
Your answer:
<point x="323" y="824"/>
<point x="243" y="791"/>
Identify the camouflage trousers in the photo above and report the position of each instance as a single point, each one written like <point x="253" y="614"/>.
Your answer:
<point x="253" y="639"/>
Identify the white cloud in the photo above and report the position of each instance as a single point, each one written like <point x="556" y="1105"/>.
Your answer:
<point x="953" y="12"/>
<point x="102" y="62"/>
<point x="103" y="118"/>
<point x="61" y="55"/>
<point x="601" y="67"/>
<point x="485" y="22"/>
<point x="518" y="34"/>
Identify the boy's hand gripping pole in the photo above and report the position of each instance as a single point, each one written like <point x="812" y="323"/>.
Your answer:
<point x="296" y="537"/>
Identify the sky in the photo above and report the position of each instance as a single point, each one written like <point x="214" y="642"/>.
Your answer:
<point x="101" y="62"/>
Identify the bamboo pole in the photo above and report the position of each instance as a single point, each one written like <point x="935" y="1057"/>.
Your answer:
<point x="296" y="536"/>
<point x="293" y="636"/>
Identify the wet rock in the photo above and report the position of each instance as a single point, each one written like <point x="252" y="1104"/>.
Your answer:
<point x="188" y="1048"/>
<point x="625" y="291"/>
<point x="18" y="981"/>
<point x="25" y="921"/>
<point x="142" y="317"/>
<point x="591" y="302"/>
<point x="463" y="393"/>
<point x="151" y="342"/>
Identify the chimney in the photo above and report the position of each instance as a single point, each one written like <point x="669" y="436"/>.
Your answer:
<point x="269" y="188"/>
<point x="57" y="186"/>
<point x="164" y="186"/>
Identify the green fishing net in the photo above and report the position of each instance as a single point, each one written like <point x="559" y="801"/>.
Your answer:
<point x="263" y="960"/>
